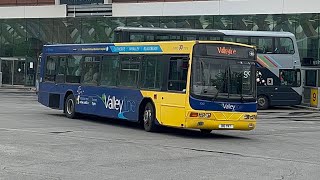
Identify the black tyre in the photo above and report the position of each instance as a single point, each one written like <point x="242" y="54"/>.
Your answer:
<point x="263" y="102"/>
<point x="69" y="107"/>
<point x="205" y="131"/>
<point x="149" y="118"/>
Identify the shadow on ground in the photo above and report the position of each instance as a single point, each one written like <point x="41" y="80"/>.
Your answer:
<point x="186" y="133"/>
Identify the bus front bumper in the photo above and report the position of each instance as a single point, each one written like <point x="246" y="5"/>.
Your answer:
<point x="220" y="124"/>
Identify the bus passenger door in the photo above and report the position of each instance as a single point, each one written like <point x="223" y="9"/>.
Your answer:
<point x="173" y="100"/>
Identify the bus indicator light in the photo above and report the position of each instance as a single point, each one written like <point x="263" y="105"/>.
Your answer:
<point x="194" y="114"/>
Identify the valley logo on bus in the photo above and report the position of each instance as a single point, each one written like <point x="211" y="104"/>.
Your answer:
<point x="121" y="105"/>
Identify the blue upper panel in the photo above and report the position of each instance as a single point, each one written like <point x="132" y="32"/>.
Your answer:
<point x="98" y="49"/>
<point x="198" y="104"/>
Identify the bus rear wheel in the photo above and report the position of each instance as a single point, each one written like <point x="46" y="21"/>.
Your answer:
<point x="69" y="107"/>
<point x="263" y="102"/>
<point x="149" y="118"/>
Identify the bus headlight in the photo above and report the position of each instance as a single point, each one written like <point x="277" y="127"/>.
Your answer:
<point x="200" y="115"/>
<point x="205" y="115"/>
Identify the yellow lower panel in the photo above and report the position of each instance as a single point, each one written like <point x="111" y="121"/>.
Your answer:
<point x="172" y="116"/>
<point x="224" y="125"/>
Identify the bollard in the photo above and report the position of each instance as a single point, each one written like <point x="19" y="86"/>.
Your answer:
<point x="0" y="79"/>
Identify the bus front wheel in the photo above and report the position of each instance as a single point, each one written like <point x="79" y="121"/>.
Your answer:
<point x="263" y="102"/>
<point x="149" y="118"/>
<point x="69" y="107"/>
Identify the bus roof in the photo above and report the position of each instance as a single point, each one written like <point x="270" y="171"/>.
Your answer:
<point x="208" y="31"/>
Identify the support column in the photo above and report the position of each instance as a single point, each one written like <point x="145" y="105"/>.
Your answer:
<point x="107" y="1"/>
<point x="57" y="2"/>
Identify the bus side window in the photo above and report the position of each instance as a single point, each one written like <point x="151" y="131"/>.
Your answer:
<point x="135" y="37"/>
<point x="91" y="67"/>
<point x="50" y="72"/>
<point x="189" y="37"/>
<point x="74" y="69"/>
<point x="229" y="38"/>
<point x="242" y="39"/>
<point x="162" y="37"/>
<point x="263" y="44"/>
<point x="290" y="77"/>
<point x="151" y="72"/>
<point x="178" y="72"/>
<point x="61" y="70"/>
<point x="284" y="46"/>
<point x="129" y="70"/>
<point x="109" y="70"/>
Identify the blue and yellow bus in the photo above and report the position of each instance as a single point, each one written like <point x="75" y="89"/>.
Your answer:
<point x="204" y="85"/>
<point x="278" y="59"/>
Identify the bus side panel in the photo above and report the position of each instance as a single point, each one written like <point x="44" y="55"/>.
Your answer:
<point x="278" y="95"/>
<point x="50" y="95"/>
<point x="173" y="109"/>
<point x="170" y="107"/>
<point x="109" y="102"/>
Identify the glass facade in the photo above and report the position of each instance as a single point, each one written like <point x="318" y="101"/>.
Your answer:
<point x="22" y="39"/>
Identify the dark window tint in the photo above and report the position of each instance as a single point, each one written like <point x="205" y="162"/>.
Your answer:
<point x="178" y="74"/>
<point x="129" y="71"/>
<point x="290" y="77"/>
<point x="239" y="39"/>
<point x="283" y="46"/>
<point x="135" y="37"/>
<point x="210" y="38"/>
<point x="50" y="73"/>
<point x="109" y="70"/>
<point x="163" y="38"/>
<point x="151" y="72"/>
<point x="263" y="44"/>
<point x="61" y="69"/>
<point x="91" y="67"/>
<point x="229" y="38"/>
<point x="311" y="76"/>
<point x="149" y="38"/>
<point x="189" y="37"/>
<point x="74" y="70"/>
<point x="243" y="40"/>
<point x="62" y="65"/>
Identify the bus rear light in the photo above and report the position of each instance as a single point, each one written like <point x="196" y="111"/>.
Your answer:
<point x="194" y="114"/>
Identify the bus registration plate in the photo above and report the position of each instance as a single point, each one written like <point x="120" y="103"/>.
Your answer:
<point x="226" y="126"/>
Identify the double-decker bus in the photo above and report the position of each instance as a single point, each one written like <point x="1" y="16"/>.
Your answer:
<point x="279" y="67"/>
<point x="202" y="85"/>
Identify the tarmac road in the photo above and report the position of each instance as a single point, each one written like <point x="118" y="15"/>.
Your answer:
<point x="40" y="143"/>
